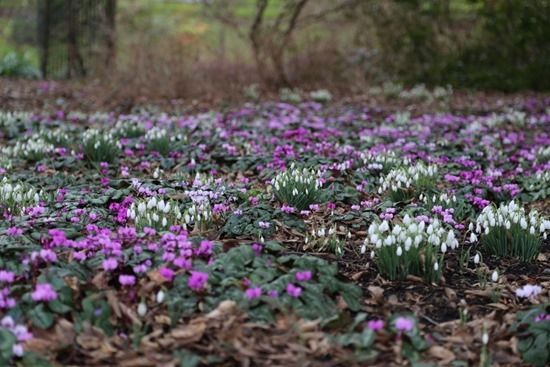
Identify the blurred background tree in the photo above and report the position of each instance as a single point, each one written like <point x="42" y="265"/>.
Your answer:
<point x="193" y="47"/>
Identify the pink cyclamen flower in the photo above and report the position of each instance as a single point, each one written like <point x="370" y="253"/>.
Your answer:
<point x="404" y="324"/>
<point x="252" y="293"/>
<point x="7" y="276"/>
<point x="110" y="264"/>
<point x="303" y="276"/>
<point x="287" y="209"/>
<point x="167" y="273"/>
<point x="293" y="291"/>
<point x="264" y="225"/>
<point x="528" y="291"/>
<point x="14" y="231"/>
<point x="44" y="292"/>
<point x="126" y="280"/>
<point x="375" y="325"/>
<point x="273" y="293"/>
<point x="197" y="280"/>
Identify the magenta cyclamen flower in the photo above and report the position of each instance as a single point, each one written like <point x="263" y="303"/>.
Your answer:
<point x="44" y="292"/>
<point x="293" y="291"/>
<point x="126" y="280"/>
<point x="287" y="209"/>
<point x="110" y="264"/>
<point x="375" y="325"/>
<point x="303" y="276"/>
<point x="528" y="291"/>
<point x="6" y="276"/>
<point x="255" y="292"/>
<point x="197" y="280"/>
<point x="404" y="324"/>
<point x="167" y="273"/>
<point x="205" y="248"/>
<point x="14" y="231"/>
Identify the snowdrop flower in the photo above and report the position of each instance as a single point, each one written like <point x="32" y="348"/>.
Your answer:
<point x="399" y="251"/>
<point x="494" y="276"/>
<point x="142" y="309"/>
<point x="485" y="338"/>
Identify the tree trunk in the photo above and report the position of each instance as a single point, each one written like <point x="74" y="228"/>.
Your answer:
<point x="110" y="41"/>
<point x="44" y="36"/>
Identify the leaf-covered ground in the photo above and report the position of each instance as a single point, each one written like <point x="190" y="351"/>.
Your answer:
<point x="276" y="234"/>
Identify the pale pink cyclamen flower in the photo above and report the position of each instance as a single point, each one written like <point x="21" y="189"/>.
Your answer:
<point x="44" y="292"/>
<point x="293" y="290"/>
<point x="14" y="231"/>
<point x="303" y="276"/>
<point x="252" y="293"/>
<point x="126" y="280"/>
<point x="7" y="276"/>
<point x="110" y="264"/>
<point x="287" y="209"/>
<point x="375" y="325"/>
<point x="528" y="291"/>
<point x="404" y="324"/>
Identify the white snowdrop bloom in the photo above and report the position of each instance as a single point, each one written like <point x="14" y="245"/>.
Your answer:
<point x="399" y="251"/>
<point x="471" y="227"/>
<point x="494" y="276"/>
<point x="384" y="226"/>
<point x="473" y="238"/>
<point x="421" y="226"/>
<point x="443" y="247"/>
<point x="523" y="223"/>
<point x="532" y="230"/>
<point x="378" y="243"/>
<point x="417" y="240"/>
<point x="408" y="243"/>
<point x="155" y="217"/>
<point x="160" y="296"/>
<point x="142" y="309"/>
<point x="436" y="266"/>
<point x="407" y="220"/>
<point x="363" y="248"/>
<point x="164" y="222"/>
<point x="485" y="338"/>
<point x="372" y="228"/>
<point x="160" y="205"/>
<point x="141" y="207"/>
<point x="477" y="259"/>
<point x="372" y="254"/>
